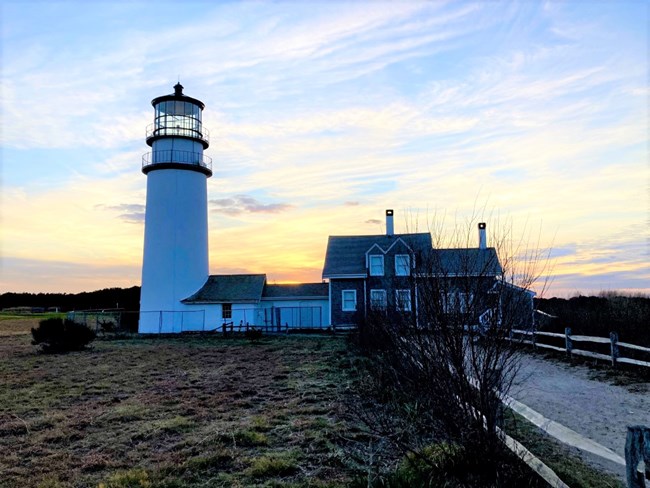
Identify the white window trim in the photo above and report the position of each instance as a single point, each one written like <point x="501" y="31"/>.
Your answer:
<point x="370" y="264"/>
<point x="343" y="292"/>
<point x="458" y="302"/>
<point x="398" y="302"/>
<point x="408" y="264"/>
<point x="223" y="317"/>
<point x="384" y="300"/>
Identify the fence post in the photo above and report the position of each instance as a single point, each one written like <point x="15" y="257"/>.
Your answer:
<point x="637" y="449"/>
<point x="160" y="322"/>
<point x="568" y="341"/>
<point x="613" y="339"/>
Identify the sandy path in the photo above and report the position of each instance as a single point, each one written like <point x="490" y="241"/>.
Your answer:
<point x="598" y="410"/>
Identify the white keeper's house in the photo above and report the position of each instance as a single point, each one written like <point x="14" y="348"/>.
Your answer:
<point x="360" y="273"/>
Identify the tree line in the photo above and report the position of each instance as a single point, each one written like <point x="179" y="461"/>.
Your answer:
<point x="628" y="315"/>
<point x="123" y="298"/>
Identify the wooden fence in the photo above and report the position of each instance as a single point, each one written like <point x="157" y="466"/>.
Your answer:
<point x="232" y="327"/>
<point x="531" y="337"/>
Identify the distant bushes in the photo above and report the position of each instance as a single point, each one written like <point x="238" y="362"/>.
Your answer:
<point x="629" y="316"/>
<point x="59" y="335"/>
<point x="123" y="298"/>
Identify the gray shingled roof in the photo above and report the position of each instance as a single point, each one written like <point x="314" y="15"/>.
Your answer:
<point x="462" y="262"/>
<point x="346" y="255"/>
<point x="301" y="290"/>
<point x="244" y="288"/>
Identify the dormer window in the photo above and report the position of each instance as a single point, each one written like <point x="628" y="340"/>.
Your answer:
<point x="376" y="264"/>
<point x="402" y="265"/>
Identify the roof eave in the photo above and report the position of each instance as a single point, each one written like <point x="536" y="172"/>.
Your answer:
<point x="339" y="276"/>
<point x="315" y="297"/>
<point x="217" y="302"/>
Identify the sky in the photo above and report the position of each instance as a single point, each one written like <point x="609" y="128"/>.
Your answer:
<point x="530" y="116"/>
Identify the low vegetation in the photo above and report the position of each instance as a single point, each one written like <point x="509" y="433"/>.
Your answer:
<point x="107" y="298"/>
<point x="202" y="411"/>
<point x="176" y="412"/>
<point x="61" y="335"/>
<point x="627" y="315"/>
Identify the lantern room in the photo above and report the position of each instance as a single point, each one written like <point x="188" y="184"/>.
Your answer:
<point x="177" y="136"/>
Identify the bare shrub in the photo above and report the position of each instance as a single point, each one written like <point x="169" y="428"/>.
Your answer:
<point x="434" y="376"/>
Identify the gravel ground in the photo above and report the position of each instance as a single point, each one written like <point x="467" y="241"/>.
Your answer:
<point x="597" y="409"/>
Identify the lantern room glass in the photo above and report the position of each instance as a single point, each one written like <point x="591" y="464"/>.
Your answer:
<point x="176" y="117"/>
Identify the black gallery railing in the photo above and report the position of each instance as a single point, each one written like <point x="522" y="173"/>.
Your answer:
<point x="174" y="156"/>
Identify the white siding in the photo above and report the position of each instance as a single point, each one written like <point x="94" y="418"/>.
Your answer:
<point x="175" y="262"/>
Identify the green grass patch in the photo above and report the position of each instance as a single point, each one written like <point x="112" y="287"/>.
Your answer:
<point x="133" y="478"/>
<point x="246" y="438"/>
<point x="40" y="316"/>
<point x="272" y="465"/>
<point x="172" y="425"/>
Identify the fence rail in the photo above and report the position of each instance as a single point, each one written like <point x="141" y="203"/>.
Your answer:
<point x="614" y="356"/>
<point x="232" y="327"/>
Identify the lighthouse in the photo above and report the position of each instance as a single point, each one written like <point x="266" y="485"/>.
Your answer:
<point x="175" y="260"/>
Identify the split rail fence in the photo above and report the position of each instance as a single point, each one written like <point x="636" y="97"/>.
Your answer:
<point x="614" y="357"/>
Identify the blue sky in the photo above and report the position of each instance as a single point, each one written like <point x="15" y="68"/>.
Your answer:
<point x="532" y="116"/>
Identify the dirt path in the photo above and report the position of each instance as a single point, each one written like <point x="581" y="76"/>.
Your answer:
<point x="596" y="409"/>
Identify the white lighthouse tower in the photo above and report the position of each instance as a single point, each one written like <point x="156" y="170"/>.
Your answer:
<point x="175" y="262"/>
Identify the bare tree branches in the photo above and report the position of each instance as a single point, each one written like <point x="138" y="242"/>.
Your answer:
<point x="437" y="375"/>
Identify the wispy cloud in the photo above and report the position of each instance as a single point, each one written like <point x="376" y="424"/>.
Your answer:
<point x="128" y="212"/>
<point x="329" y="113"/>
<point x="239" y="204"/>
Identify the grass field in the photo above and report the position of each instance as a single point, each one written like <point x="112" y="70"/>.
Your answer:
<point x="17" y="324"/>
<point x="174" y="412"/>
<point x="186" y="411"/>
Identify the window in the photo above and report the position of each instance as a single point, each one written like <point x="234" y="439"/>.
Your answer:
<point x="376" y="265"/>
<point x="378" y="300"/>
<point x="402" y="265"/>
<point x="403" y="300"/>
<point x="226" y="311"/>
<point x="457" y="302"/>
<point x="349" y="300"/>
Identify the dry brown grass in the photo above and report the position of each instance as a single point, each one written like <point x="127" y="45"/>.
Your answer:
<point x="187" y="411"/>
<point x="16" y="325"/>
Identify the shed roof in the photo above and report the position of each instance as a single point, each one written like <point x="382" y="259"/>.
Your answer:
<point x="243" y="288"/>
<point x="296" y="291"/>
<point x="346" y="255"/>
